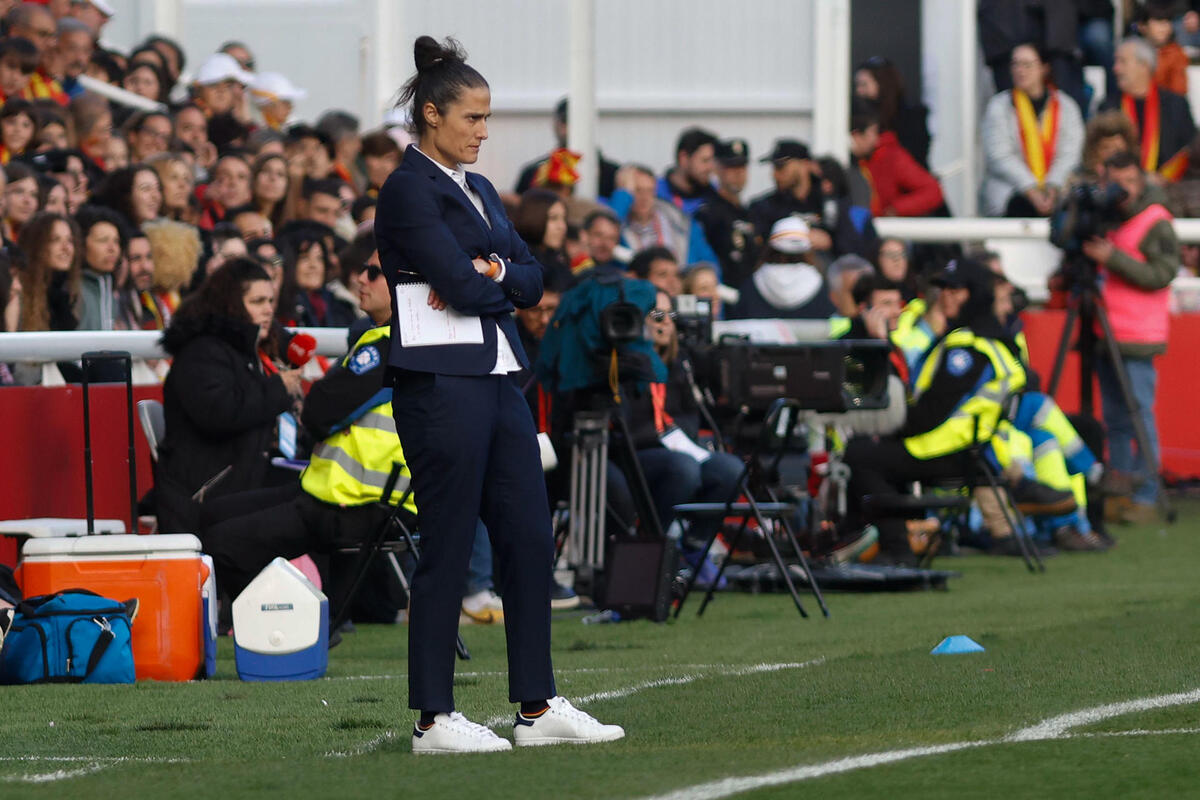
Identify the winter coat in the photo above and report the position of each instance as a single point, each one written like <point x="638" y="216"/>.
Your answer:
<point x="220" y="412"/>
<point x="899" y="181"/>
<point x="1005" y="170"/>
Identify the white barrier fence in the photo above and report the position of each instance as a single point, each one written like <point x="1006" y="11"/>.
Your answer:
<point x="43" y="346"/>
<point x="1024" y="247"/>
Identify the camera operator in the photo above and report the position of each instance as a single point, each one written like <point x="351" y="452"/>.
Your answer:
<point x="1137" y="262"/>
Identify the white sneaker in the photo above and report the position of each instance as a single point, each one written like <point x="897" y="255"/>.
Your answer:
<point x="562" y="723"/>
<point x="454" y="733"/>
<point x="483" y="608"/>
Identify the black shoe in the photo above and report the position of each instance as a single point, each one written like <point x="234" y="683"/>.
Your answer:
<point x="1039" y="499"/>
<point x="1073" y="540"/>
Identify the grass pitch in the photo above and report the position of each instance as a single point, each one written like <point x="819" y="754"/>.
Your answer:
<point x="848" y="707"/>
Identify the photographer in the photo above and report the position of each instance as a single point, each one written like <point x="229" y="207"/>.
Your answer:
<point x="1137" y="262"/>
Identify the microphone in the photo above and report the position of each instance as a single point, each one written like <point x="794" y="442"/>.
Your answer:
<point x="300" y="349"/>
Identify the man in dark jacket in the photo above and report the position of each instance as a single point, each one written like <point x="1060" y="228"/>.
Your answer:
<point x="726" y="222"/>
<point x="796" y="193"/>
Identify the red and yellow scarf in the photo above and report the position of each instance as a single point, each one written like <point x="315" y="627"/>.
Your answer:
<point x="41" y="85"/>
<point x="1149" y="131"/>
<point x="1038" y="134"/>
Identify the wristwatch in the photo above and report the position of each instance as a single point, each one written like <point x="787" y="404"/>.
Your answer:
<point x="496" y="273"/>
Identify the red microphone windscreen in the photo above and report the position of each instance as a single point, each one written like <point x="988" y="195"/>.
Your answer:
<point x="300" y="349"/>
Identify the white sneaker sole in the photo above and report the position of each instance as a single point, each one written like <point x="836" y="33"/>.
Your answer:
<point x="450" y="751"/>
<point x="542" y="741"/>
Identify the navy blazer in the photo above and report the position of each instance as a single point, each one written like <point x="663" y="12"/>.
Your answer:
<point x="425" y="224"/>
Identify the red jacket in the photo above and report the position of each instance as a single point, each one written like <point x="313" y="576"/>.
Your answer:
<point x="898" y="182"/>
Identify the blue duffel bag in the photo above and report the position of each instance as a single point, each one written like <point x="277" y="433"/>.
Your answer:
<point x="73" y="636"/>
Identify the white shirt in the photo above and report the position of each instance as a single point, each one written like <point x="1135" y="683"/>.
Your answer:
<point x="506" y="359"/>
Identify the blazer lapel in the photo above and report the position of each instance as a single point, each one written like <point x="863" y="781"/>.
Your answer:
<point x="448" y="185"/>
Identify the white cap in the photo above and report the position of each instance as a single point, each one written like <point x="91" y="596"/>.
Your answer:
<point x="103" y="6"/>
<point x="790" y="235"/>
<point x="221" y="67"/>
<point x="270" y="86"/>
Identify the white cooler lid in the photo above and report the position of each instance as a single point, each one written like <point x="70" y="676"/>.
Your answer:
<point x="164" y="545"/>
<point x="58" y="526"/>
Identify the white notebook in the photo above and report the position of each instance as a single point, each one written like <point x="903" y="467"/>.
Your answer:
<point x="421" y="326"/>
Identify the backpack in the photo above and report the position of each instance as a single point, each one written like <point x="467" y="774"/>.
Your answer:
<point x="73" y="636"/>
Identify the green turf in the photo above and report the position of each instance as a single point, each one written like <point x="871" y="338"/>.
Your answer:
<point x="1095" y="629"/>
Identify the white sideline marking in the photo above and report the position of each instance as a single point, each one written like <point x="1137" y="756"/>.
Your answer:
<point x="57" y="775"/>
<point x="365" y="747"/>
<point x="1135" y="732"/>
<point x="1057" y="727"/>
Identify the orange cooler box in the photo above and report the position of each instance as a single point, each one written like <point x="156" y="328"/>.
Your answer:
<point x="164" y="572"/>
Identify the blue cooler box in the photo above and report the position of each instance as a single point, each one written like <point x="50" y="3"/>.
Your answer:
<point x="281" y="627"/>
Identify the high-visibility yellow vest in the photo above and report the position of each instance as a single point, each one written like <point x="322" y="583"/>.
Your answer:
<point x="350" y="467"/>
<point x="910" y="337"/>
<point x="986" y="403"/>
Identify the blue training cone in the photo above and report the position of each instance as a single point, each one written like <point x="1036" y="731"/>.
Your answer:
<point x="952" y="645"/>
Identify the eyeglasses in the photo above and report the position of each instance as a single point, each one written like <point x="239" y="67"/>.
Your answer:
<point x="659" y="315"/>
<point x="274" y="262"/>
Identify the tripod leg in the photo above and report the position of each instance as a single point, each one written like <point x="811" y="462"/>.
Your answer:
<point x="737" y="539"/>
<point x="769" y="534"/>
<point x="1150" y="456"/>
<point x="1064" y="344"/>
<point x="805" y="568"/>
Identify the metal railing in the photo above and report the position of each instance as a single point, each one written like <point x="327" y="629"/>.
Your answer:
<point x="44" y="346"/>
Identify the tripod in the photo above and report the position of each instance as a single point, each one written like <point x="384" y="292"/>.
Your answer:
<point x="1087" y="311"/>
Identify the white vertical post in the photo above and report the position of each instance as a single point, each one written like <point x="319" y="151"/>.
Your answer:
<point x="385" y="65"/>
<point x="968" y="117"/>
<point x="165" y="19"/>
<point x="581" y="96"/>
<point x="832" y="79"/>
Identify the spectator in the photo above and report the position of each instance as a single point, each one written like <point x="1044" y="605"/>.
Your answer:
<point x="841" y="277"/>
<point x="93" y="126"/>
<point x="116" y="154"/>
<point x="877" y="305"/>
<point x="607" y="170"/>
<point x="891" y="260"/>
<point x="659" y="266"/>
<point x="250" y="222"/>
<point x="18" y="129"/>
<point x="309" y="151"/>
<point x="363" y="209"/>
<point x="270" y="185"/>
<point x="701" y="280"/>
<point x="603" y="232"/>
<point x="95" y="14"/>
<point x="225" y="243"/>
<point x="217" y="85"/>
<point x="899" y="186"/>
<point x="148" y="134"/>
<point x="52" y="131"/>
<point x="321" y="201"/>
<point x="650" y="221"/>
<point x="381" y="155"/>
<point x="688" y="184"/>
<point x="785" y="284"/>
<point x="177" y="187"/>
<point x="796" y="194"/>
<point x="36" y="24"/>
<point x="726" y="223"/>
<point x="1032" y="141"/>
<point x="230" y="188"/>
<point x="240" y="53"/>
<point x="275" y="97"/>
<point x="105" y="68"/>
<point x="1161" y="119"/>
<point x="541" y="220"/>
<point x="66" y="167"/>
<point x="103" y="237"/>
<point x="531" y="327"/>
<point x="850" y="223"/>
<point x="1137" y="263"/>
<point x="175" y="249"/>
<point x="191" y="128"/>
<point x="51" y="195"/>
<point x="308" y="269"/>
<point x="18" y="60"/>
<point x="1004" y="24"/>
<point x="172" y="55"/>
<point x="1157" y="27"/>
<point x="134" y="193"/>
<point x="878" y="81"/>
<point x="342" y="130"/>
<point x="1096" y="40"/>
<point x="137" y="306"/>
<point x="50" y="278"/>
<point x="146" y="80"/>
<point x="20" y="198"/>
<point x="219" y="401"/>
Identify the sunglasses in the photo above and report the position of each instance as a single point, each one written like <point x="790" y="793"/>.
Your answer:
<point x="372" y="272"/>
<point x="662" y="316"/>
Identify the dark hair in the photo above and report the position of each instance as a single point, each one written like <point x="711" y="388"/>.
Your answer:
<point x="22" y="50"/>
<point x="18" y="171"/>
<point x="278" y="211"/>
<point x="46" y="185"/>
<point x="530" y="218"/>
<point x="864" y="114"/>
<point x="225" y="131"/>
<point x="301" y="131"/>
<point x="1159" y="9"/>
<point x="291" y="247"/>
<point x="171" y="44"/>
<point x="891" y="89"/>
<point x="600" y="213"/>
<point x="353" y="256"/>
<point x="16" y="106"/>
<point x="360" y="206"/>
<point x="160" y="74"/>
<point x="442" y="74"/>
<point x="221" y="293"/>
<point x="379" y="144"/>
<point x="104" y="60"/>
<point x="89" y="216"/>
<point x="832" y="171"/>
<point x="329" y="186"/>
<point x="116" y="192"/>
<point x="1122" y="160"/>
<point x="640" y="265"/>
<point x="868" y="283"/>
<point x="692" y="139"/>
<point x="137" y="120"/>
<point x="35" y="276"/>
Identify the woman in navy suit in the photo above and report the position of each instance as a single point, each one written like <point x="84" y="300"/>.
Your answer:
<point x="467" y="433"/>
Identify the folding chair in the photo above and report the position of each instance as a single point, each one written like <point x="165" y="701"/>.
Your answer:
<point x="770" y="514"/>
<point x="384" y="541"/>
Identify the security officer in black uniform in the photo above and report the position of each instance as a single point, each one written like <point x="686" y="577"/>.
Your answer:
<point x="726" y="221"/>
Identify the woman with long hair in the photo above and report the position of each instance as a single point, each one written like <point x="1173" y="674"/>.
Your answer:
<point x="178" y="182"/>
<point x="270" y="184"/>
<point x="220" y="400"/>
<point x="891" y="259"/>
<point x="18" y="129"/>
<point x="134" y="192"/>
<point x="51" y="275"/>
<point x="307" y="271"/>
<point x="879" y="81"/>
<point x="1032" y="140"/>
<point x="541" y="220"/>
<point x="467" y="432"/>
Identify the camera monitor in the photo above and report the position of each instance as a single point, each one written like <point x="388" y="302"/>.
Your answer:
<point x="834" y="377"/>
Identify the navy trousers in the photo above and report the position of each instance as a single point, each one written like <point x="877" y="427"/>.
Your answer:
<point x="472" y="448"/>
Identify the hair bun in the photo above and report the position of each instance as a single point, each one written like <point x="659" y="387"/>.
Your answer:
<point x="429" y="53"/>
